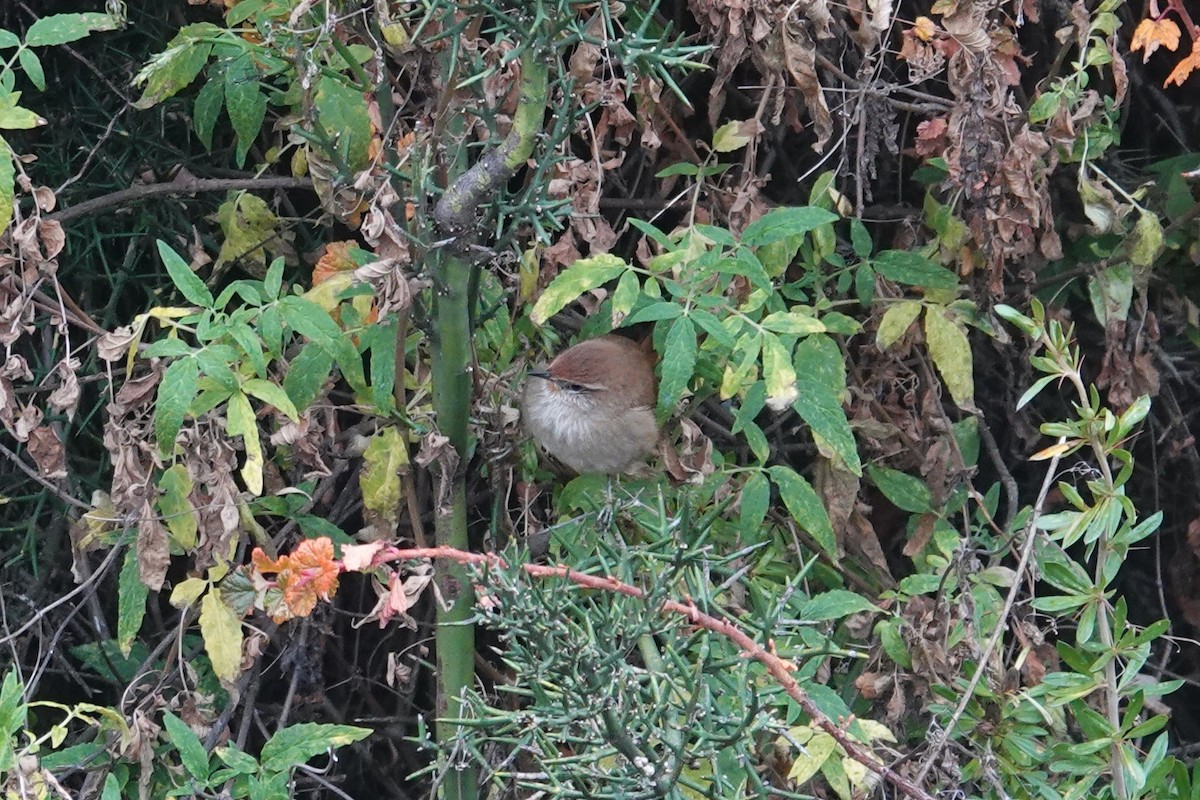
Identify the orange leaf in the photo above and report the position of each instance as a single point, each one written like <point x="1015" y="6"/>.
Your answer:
<point x="924" y="28"/>
<point x="336" y="259"/>
<point x="1154" y="33"/>
<point x="262" y="563"/>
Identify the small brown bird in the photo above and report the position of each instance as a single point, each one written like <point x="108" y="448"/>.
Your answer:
<point x="593" y="407"/>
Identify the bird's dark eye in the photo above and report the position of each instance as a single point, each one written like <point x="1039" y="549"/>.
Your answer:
<point x="574" y="387"/>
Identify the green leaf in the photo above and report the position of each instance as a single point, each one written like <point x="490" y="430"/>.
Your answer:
<point x="913" y="269"/>
<point x="307" y="374"/>
<point x="8" y="39"/>
<point x="754" y="500"/>
<point x="951" y="354"/>
<point x="175" y="395"/>
<point x="896" y="322"/>
<point x="1146" y="240"/>
<point x="271" y="394"/>
<point x="174" y="490"/>
<point x="893" y="642"/>
<point x="582" y="276"/>
<point x="860" y="239"/>
<point x="245" y="102"/>
<point x="834" y="604"/>
<point x="1035" y="390"/>
<point x="384" y="461"/>
<point x="663" y="309"/>
<point x="805" y="507"/>
<point x="172" y="70"/>
<point x="864" y="284"/>
<point x="239" y="762"/>
<point x="1045" y="106"/>
<point x="778" y="373"/>
<point x="904" y="491"/>
<point x="380" y="340"/>
<point x="241" y="422"/>
<point x="167" y="348"/>
<point x="1111" y="293"/>
<point x="781" y="223"/>
<point x="314" y="527"/>
<point x="188" y="282"/>
<point x="33" y="68"/>
<point x="342" y="111"/>
<point x="13" y="714"/>
<point x="131" y="601"/>
<point x="678" y="364"/>
<point x="207" y="108"/>
<point x="296" y="744"/>
<point x="821" y="379"/>
<point x="222" y="633"/>
<point x="8" y="175"/>
<point x="709" y="323"/>
<point x="63" y="28"/>
<point x="313" y="322"/>
<point x="794" y="321"/>
<point x="192" y="754"/>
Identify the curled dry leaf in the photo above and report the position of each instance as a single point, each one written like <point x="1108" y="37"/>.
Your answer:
<point x="28" y="418"/>
<point x="47" y="452"/>
<point x="50" y="231"/>
<point x="436" y="448"/>
<point x="16" y="368"/>
<point x="393" y="292"/>
<point x="45" y="198"/>
<point x="153" y="549"/>
<point x="112" y="346"/>
<point x="358" y="557"/>
<point x="65" y="399"/>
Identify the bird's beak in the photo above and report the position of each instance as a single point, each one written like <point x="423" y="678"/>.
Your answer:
<point x="540" y="373"/>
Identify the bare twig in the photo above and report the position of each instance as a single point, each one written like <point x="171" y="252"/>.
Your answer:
<point x="177" y="186"/>
<point x="1001" y="622"/>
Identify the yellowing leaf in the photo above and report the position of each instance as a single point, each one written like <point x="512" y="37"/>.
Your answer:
<point x="188" y="592"/>
<point x="385" y="458"/>
<point x="876" y="730"/>
<point x="582" y="276"/>
<point x="735" y="135"/>
<point x="174" y="487"/>
<point x="1054" y="450"/>
<point x="811" y="756"/>
<point x="779" y="374"/>
<point x="951" y="354"/>
<point x="241" y="422"/>
<point x="1146" y="241"/>
<point x="896" y="321"/>
<point x="222" y="633"/>
<point x="924" y="28"/>
<point x="250" y="227"/>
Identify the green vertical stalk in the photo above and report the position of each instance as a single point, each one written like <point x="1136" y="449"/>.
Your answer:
<point x="452" y="403"/>
<point x="456" y="217"/>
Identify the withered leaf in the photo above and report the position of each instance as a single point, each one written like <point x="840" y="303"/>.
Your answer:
<point x="47" y="452"/>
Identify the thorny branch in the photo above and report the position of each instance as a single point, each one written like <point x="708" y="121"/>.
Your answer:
<point x="780" y="669"/>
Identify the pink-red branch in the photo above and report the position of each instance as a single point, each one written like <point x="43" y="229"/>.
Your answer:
<point x="781" y="670"/>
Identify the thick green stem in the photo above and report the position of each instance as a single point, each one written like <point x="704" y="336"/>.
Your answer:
<point x="455" y="216"/>
<point x="452" y="403"/>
